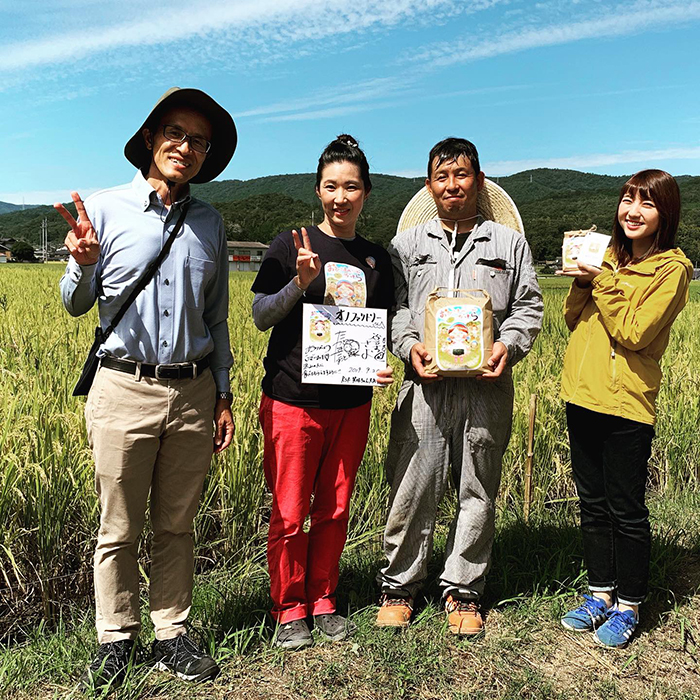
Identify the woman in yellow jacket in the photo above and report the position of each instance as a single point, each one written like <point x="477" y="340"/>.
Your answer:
<point x="620" y="317"/>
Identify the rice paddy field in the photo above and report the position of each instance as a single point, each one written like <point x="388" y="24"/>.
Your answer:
<point x="49" y="516"/>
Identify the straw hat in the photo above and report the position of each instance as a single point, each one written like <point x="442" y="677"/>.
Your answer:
<point x="223" y="140"/>
<point x="493" y="203"/>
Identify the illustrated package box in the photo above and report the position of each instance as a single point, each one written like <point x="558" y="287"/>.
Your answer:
<point x="458" y="331"/>
<point x="587" y="246"/>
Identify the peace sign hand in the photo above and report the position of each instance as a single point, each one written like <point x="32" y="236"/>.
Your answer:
<point x="81" y="240"/>
<point x="308" y="263"/>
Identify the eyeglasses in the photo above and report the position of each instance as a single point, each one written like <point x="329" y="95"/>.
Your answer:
<point x="176" y="134"/>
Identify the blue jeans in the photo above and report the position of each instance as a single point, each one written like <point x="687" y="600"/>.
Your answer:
<point x="609" y="458"/>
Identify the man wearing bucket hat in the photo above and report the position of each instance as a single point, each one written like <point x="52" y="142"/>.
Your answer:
<point x="452" y="235"/>
<point x="160" y="404"/>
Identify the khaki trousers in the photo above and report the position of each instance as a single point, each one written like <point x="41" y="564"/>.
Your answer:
<point x="147" y="436"/>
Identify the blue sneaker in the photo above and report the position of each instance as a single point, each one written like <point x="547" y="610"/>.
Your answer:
<point x="586" y="617"/>
<point x="618" y="629"/>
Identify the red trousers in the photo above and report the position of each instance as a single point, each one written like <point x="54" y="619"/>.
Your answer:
<point x="309" y="452"/>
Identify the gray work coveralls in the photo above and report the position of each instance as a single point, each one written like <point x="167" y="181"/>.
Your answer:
<point x="462" y="424"/>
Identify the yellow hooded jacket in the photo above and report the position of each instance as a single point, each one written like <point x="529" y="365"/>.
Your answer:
<point x="621" y="325"/>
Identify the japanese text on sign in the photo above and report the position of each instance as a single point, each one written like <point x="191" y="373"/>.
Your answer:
<point x="342" y="345"/>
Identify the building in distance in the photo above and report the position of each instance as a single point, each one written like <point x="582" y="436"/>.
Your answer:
<point x="245" y="256"/>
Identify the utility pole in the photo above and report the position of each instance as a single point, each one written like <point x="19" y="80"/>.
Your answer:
<point x="45" y="240"/>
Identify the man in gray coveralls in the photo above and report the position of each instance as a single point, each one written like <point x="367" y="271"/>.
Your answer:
<point x="442" y="424"/>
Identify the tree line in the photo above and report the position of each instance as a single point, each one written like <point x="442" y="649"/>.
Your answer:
<point x="550" y="202"/>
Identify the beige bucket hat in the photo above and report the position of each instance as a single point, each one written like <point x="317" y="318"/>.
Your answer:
<point x="223" y="141"/>
<point x="493" y="203"/>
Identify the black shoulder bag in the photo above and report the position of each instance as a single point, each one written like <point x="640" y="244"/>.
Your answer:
<point x="90" y="367"/>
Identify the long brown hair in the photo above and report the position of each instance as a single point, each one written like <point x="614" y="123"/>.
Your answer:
<point x="659" y="187"/>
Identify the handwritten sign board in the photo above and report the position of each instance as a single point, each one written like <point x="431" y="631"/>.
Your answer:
<point x="342" y="345"/>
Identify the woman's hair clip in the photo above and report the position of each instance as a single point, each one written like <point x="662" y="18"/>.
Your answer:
<point x="348" y="140"/>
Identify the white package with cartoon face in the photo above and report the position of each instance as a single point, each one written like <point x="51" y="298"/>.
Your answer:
<point x="588" y="246"/>
<point x="593" y="248"/>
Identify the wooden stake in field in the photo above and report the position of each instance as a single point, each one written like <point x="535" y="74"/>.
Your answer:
<point x="530" y="453"/>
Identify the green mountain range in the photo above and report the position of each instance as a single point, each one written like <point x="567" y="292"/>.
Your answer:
<point x="550" y="202"/>
<point x="6" y="207"/>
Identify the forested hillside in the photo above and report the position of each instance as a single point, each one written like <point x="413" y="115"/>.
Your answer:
<point x="265" y="200"/>
<point x="6" y="207"/>
<point x="546" y="217"/>
<point x="550" y="202"/>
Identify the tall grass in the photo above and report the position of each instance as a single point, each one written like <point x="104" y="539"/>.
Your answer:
<point x="48" y="510"/>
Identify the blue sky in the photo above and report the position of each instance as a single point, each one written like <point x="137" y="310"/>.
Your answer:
<point x="606" y="87"/>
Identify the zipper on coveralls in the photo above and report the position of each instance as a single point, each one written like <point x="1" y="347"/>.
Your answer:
<point x="453" y="243"/>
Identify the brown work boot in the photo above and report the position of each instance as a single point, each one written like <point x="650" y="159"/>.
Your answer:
<point x="463" y="616"/>
<point x="394" y="611"/>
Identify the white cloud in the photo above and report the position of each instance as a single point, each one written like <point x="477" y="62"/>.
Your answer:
<point x="264" y="23"/>
<point x="142" y="32"/>
<point x="407" y="173"/>
<point x="328" y="113"/>
<point x="20" y="136"/>
<point x="384" y="93"/>
<point x="380" y="93"/>
<point x="394" y="96"/>
<point x="649" y="157"/>
<point x="359" y="92"/>
<point x="621" y="21"/>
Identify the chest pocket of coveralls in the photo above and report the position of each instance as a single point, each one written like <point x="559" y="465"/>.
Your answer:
<point x="496" y="277"/>
<point x="198" y="272"/>
<point x="422" y="280"/>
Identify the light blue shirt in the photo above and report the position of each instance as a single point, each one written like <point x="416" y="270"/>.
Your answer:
<point x="181" y="315"/>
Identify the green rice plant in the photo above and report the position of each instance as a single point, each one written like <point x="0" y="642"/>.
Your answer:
<point x="234" y="494"/>
<point x="49" y="512"/>
<point x="45" y="465"/>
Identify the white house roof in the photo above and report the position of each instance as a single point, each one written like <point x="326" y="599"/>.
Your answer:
<point x="246" y="244"/>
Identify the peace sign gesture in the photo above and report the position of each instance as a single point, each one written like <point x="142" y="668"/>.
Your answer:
<point x="81" y="240"/>
<point x="308" y="263"/>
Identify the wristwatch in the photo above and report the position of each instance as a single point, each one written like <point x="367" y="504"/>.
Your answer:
<point x="225" y="395"/>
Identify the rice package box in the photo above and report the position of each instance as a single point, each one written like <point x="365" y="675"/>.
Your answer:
<point x="458" y="331"/>
<point x="574" y="242"/>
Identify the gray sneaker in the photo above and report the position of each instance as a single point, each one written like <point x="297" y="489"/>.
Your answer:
<point x="334" y="627"/>
<point x="293" y="635"/>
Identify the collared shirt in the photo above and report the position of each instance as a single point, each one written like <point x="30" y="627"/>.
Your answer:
<point x="494" y="258"/>
<point x="182" y="313"/>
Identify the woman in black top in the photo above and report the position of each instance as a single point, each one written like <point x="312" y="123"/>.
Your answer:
<point x="315" y="434"/>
